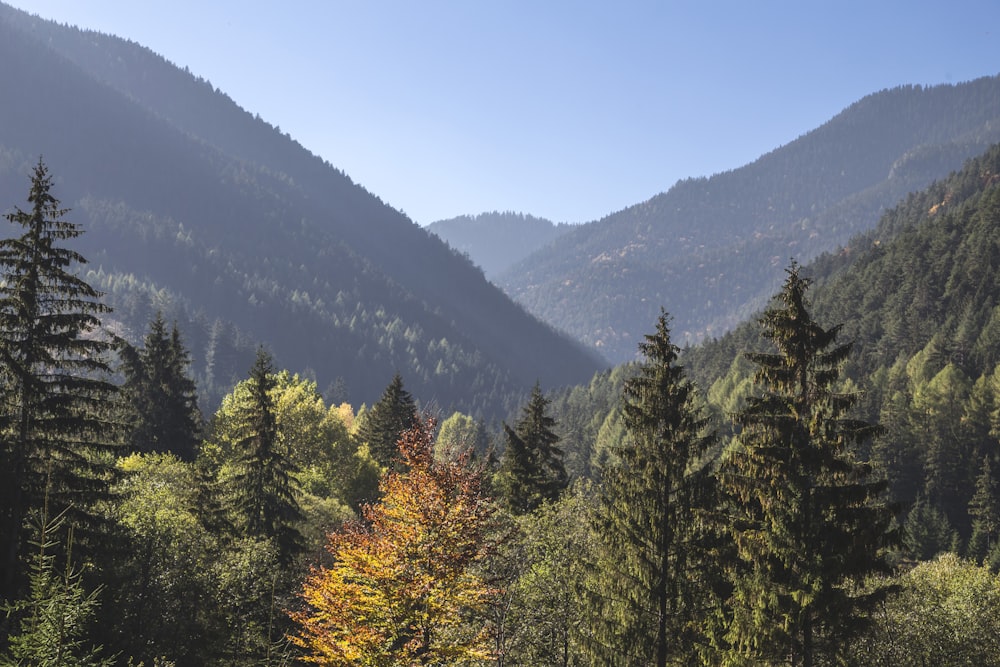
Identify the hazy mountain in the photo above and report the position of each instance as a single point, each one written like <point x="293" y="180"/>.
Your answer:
<point x="497" y="241"/>
<point x="196" y="207"/>
<point x="711" y="250"/>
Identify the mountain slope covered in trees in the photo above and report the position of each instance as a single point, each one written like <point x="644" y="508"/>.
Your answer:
<point x="710" y="250"/>
<point x="919" y="296"/>
<point x="497" y="241"/>
<point x="195" y="207"/>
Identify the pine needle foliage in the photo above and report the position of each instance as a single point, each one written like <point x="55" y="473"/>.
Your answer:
<point x="809" y="521"/>
<point x="531" y="468"/>
<point x="646" y="593"/>
<point x="263" y="487"/>
<point x="162" y="397"/>
<point x="55" y="615"/>
<point x="57" y="427"/>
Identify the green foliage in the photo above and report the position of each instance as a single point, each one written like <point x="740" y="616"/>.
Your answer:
<point x="808" y="521"/>
<point x="984" y="509"/>
<point x="927" y="531"/>
<point x="54" y="618"/>
<point x="539" y="617"/>
<point x="648" y="591"/>
<point x="162" y="399"/>
<point x="393" y="414"/>
<point x="263" y="493"/>
<point x="161" y="585"/>
<point x="710" y="248"/>
<point x="947" y="612"/>
<point x="458" y="434"/>
<point x="56" y="401"/>
<point x="531" y="468"/>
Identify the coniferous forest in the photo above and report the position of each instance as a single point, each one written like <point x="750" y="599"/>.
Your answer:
<point x="816" y="488"/>
<point x="354" y="449"/>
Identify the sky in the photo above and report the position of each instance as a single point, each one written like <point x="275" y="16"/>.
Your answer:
<point x="566" y="110"/>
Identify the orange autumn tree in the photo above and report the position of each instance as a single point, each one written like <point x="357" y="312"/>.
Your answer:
<point x="407" y="585"/>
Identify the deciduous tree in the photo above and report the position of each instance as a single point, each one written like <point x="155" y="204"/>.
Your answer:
<point x="406" y="585"/>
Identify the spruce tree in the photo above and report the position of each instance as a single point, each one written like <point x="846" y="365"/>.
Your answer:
<point x="646" y="593"/>
<point x="531" y="467"/>
<point x="808" y="519"/>
<point x="984" y="509"/>
<point x="162" y="397"/>
<point x="263" y="491"/>
<point x="393" y="414"/>
<point x="56" y="402"/>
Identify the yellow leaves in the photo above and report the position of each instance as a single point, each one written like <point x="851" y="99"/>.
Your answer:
<point x="406" y="581"/>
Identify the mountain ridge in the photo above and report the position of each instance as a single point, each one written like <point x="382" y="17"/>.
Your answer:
<point x="693" y="249"/>
<point x="174" y="222"/>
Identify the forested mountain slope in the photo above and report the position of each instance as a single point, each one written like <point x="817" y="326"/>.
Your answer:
<point x="193" y="206"/>
<point x="710" y="250"/>
<point x="497" y="241"/>
<point x="920" y="298"/>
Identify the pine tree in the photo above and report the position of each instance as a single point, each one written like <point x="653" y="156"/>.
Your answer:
<point x="984" y="508"/>
<point x="162" y="397"/>
<point x="531" y="467"/>
<point x="808" y="520"/>
<point x="56" y="403"/>
<point x="649" y="582"/>
<point x="57" y="610"/>
<point x="393" y="414"/>
<point x="263" y="487"/>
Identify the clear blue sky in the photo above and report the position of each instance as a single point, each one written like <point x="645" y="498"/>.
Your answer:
<point x="566" y="110"/>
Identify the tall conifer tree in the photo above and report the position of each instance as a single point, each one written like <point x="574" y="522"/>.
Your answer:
<point x="55" y="398"/>
<point x="808" y="519"/>
<point x="263" y="486"/>
<point x="531" y="467"/>
<point x="393" y="414"/>
<point x="648" y="581"/>
<point x="163" y="399"/>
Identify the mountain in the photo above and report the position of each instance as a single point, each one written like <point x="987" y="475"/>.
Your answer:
<point x="195" y="207"/>
<point x="919" y="297"/>
<point x="710" y="250"/>
<point x="497" y="241"/>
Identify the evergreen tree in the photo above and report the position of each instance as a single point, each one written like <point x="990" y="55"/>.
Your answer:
<point x="808" y="520"/>
<point x="646" y="592"/>
<point x="984" y="508"/>
<point x="55" y="398"/>
<point x="531" y="467"/>
<point x="161" y="395"/>
<point x="393" y="414"/>
<point x="927" y="533"/>
<point x="55" y="615"/>
<point x="263" y="487"/>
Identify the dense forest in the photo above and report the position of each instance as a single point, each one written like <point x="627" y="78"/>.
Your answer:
<point x="814" y="488"/>
<point x="198" y="209"/>
<point x="710" y="250"/>
<point x="354" y="450"/>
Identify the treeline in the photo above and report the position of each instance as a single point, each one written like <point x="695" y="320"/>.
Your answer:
<point x="283" y="529"/>
<point x="709" y="249"/>
<point x="181" y="190"/>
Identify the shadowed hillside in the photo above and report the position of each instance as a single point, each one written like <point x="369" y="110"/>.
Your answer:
<point x="710" y="250"/>
<point x="193" y="206"/>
